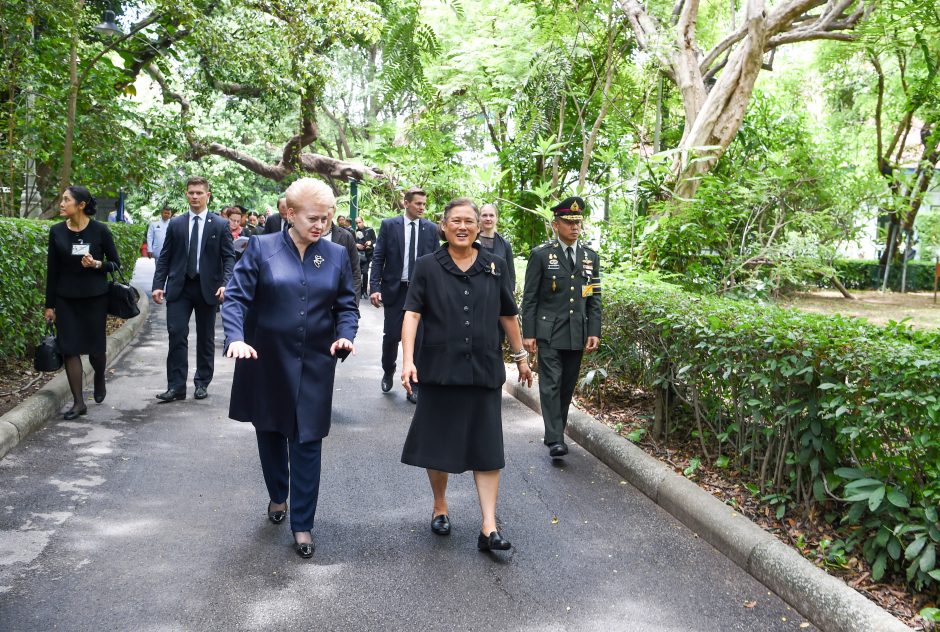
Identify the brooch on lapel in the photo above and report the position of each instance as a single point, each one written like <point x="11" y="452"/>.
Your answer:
<point x="493" y="269"/>
<point x="318" y="260"/>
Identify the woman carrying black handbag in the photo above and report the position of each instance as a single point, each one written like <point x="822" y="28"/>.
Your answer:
<point x="81" y="253"/>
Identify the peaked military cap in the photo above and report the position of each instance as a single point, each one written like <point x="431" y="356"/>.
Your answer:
<point x="569" y="208"/>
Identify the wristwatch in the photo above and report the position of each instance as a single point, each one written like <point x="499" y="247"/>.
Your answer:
<point x="97" y="265"/>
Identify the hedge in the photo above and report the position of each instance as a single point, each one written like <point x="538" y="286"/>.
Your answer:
<point x="823" y="413"/>
<point x="23" y="244"/>
<point x="859" y="274"/>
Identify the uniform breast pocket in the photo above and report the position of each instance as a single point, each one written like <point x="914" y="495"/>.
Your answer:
<point x="544" y="327"/>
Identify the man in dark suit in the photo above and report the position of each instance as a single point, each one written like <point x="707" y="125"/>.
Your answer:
<point x="344" y="238"/>
<point x="278" y="223"/>
<point x="195" y="264"/>
<point x="401" y="241"/>
<point x="561" y="316"/>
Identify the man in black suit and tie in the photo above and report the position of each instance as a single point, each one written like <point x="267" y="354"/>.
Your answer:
<point x="401" y="241"/>
<point x="278" y="223"/>
<point x="195" y="264"/>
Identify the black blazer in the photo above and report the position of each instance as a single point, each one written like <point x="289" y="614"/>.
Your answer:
<point x="215" y="261"/>
<point x="65" y="275"/>
<point x="273" y="224"/>
<point x="388" y="258"/>
<point x="344" y="238"/>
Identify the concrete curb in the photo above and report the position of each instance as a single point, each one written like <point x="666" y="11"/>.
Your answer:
<point x="34" y="412"/>
<point x="828" y="602"/>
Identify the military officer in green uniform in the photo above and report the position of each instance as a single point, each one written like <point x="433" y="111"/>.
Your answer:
<point x="561" y="316"/>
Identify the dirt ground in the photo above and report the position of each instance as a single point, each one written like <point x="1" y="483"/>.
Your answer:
<point x="872" y="305"/>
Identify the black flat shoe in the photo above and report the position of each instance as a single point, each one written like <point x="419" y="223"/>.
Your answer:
<point x="100" y="390"/>
<point x="493" y="542"/>
<point x="170" y="396"/>
<point x="557" y="450"/>
<point x="304" y="549"/>
<point x="277" y="517"/>
<point x="386" y="382"/>
<point x="200" y="392"/>
<point x="441" y="525"/>
<point x="413" y="395"/>
<point x="74" y="412"/>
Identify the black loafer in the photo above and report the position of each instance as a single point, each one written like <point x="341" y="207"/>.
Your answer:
<point x="200" y="392"/>
<point x="277" y="517"/>
<point x="305" y="549"/>
<point x="441" y="525"/>
<point x="100" y="390"/>
<point x="557" y="450"/>
<point x="386" y="382"/>
<point x="73" y="413"/>
<point x="170" y="396"/>
<point x="493" y="542"/>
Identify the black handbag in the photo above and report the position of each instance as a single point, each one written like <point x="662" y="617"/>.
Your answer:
<point x="122" y="298"/>
<point x="48" y="358"/>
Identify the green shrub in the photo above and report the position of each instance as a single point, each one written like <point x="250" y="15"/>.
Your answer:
<point x="858" y="274"/>
<point x="23" y="246"/>
<point x="821" y="411"/>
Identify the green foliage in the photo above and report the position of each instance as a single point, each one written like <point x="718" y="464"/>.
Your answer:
<point x="818" y="410"/>
<point x="858" y="274"/>
<point x="23" y="270"/>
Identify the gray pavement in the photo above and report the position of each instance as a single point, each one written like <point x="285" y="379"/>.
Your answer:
<point x="147" y="516"/>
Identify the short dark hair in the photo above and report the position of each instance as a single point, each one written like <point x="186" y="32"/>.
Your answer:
<point x="80" y="194"/>
<point x="413" y="191"/>
<point x="461" y="201"/>
<point x="196" y="181"/>
<point x="167" y="207"/>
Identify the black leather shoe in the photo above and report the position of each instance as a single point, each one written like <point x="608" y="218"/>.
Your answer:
<point x="170" y="396"/>
<point x="441" y="525"/>
<point x="304" y="549"/>
<point x="557" y="450"/>
<point x="386" y="382"/>
<point x="493" y="542"/>
<point x="413" y="395"/>
<point x="74" y="412"/>
<point x="200" y="392"/>
<point x="100" y="390"/>
<point x="277" y="517"/>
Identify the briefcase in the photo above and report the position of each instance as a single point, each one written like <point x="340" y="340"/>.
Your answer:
<point x="122" y="298"/>
<point x="48" y="358"/>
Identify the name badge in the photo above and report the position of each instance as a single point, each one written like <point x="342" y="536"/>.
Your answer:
<point x="81" y="249"/>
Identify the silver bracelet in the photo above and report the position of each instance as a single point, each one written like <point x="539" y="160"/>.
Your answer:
<point x="519" y="356"/>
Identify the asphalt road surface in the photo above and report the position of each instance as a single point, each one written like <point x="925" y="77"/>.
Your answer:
<point x="151" y="517"/>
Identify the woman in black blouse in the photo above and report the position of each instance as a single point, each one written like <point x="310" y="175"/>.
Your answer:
<point x="81" y="253"/>
<point x="460" y="295"/>
<point x="496" y="243"/>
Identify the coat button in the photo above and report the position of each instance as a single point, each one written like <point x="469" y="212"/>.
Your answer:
<point x="572" y="276"/>
<point x="301" y="313"/>
<point x="303" y="283"/>
<point x="571" y="311"/>
<point x="467" y="340"/>
<point x="571" y="300"/>
<point x="466" y="308"/>
<point x="304" y="298"/>
<point x="466" y="292"/>
<point x="466" y="323"/>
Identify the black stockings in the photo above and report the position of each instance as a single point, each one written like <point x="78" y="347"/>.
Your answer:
<point x="73" y="372"/>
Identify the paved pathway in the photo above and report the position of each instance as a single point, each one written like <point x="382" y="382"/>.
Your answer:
<point x="150" y="517"/>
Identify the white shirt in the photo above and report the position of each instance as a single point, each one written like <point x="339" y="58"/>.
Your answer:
<point x="328" y="236"/>
<point x="189" y="231"/>
<point x="408" y="223"/>
<point x="156" y="234"/>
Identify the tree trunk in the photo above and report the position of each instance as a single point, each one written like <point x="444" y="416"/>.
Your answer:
<point x="65" y="171"/>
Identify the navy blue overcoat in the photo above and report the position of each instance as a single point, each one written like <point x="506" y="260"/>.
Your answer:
<point x="290" y="311"/>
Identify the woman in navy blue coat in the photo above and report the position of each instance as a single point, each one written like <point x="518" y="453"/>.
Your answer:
<point x="290" y="309"/>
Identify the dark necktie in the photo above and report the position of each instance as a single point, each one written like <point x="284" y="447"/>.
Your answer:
<point x="571" y="257"/>
<point x="284" y="225"/>
<point x="191" y="270"/>
<point x="412" y="247"/>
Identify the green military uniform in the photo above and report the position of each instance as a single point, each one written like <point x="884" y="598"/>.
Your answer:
<point x="561" y="308"/>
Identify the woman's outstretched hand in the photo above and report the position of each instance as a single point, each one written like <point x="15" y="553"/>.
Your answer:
<point x="241" y="351"/>
<point x="343" y="344"/>
<point x="409" y="375"/>
<point x="525" y="373"/>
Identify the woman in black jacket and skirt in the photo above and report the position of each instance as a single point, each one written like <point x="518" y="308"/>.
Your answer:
<point x="81" y="253"/>
<point x="460" y="295"/>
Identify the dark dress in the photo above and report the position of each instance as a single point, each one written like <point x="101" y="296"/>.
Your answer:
<point x="79" y="295"/>
<point x="457" y="425"/>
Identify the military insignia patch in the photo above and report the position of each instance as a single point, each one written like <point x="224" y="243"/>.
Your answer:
<point x="574" y="207"/>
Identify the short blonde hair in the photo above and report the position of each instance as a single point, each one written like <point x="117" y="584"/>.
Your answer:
<point x="309" y="191"/>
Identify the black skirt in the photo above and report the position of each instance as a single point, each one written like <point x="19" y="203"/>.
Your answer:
<point x="455" y="429"/>
<point x="81" y="324"/>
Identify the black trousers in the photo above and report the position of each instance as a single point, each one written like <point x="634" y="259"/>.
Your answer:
<point x="364" y="265"/>
<point x="394" y="317"/>
<point x="178" y="313"/>
<point x="558" y="376"/>
<point x="293" y="468"/>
